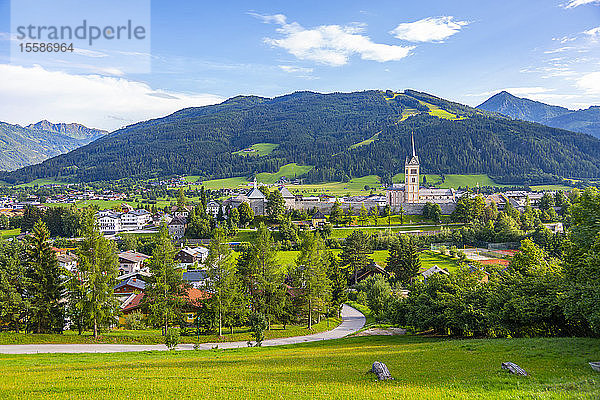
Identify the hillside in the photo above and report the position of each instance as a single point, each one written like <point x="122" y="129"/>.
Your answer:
<point x="584" y="121"/>
<point x="321" y="130"/>
<point x="22" y="146"/>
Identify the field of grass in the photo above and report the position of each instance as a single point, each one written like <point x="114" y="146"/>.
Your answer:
<point x="423" y="368"/>
<point x="152" y="336"/>
<point x="9" y="233"/>
<point x="225" y="183"/>
<point x="432" y="179"/>
<point x="366" y="141"/>
<point x="41" y="182"/>
<point x="260" y="149"/>
<point x="541" y="188"/>
<point x="438" y="112"/>
<point x="431" y="258"/>
<point x="353" y="187"/>
<point x="290" y="171"/>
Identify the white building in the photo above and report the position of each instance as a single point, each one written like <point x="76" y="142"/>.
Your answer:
<point x="111" y="221"/>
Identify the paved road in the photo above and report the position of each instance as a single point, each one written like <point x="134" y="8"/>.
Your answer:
<point x="352" y="321"/>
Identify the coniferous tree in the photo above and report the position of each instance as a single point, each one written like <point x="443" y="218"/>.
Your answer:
<point x="310" y="275"/>
<point x="98" y="268"/>
<point x="224" y="284"/>
<point x="404" y="261"/>
<point x="14" y="304"/>
<point x="355" y="253"/>
<point x="165" y="289"/>
<point x="44" y="282"/>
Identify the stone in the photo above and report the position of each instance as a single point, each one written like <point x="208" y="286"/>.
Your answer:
<point x="514" y="368"/>
<point x="381" y="370"/>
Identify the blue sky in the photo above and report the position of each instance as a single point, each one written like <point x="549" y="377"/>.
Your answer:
<point x="203" y="52"/>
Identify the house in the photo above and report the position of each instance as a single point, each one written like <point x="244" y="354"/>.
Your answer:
<point x="131" y="261"/>
<point x="212" y="208"/>
<point x="434" y="270"/>
<point x="183" y="211"/>
<point x="188" y="256"/>
<point x="197" y="278"/>
<point x="555" y="227"/>
<point x="135" y="219"/>
<point x="177" y="227"/>
<point x="109" y="221"/>
<point x="67" y="261"/>
<point x="130" y="285"/>
<point x="192" y="297"/>
<point x="318" y="219"/>
<point x="370" y="270"/>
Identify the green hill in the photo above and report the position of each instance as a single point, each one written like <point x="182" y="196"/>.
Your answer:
<point x="342" y="135"/>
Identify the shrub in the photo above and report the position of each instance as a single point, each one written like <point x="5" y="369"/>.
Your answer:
<point x="258" y="324"/>
<point x="135" y="321"/>
<point x="172" y="338"/>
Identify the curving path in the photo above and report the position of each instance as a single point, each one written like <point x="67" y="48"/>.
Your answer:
<point x="352" y="321"/>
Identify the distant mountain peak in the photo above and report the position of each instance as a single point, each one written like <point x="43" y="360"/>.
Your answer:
<point x="74" y="130"/>
<point x="584" y="121"/>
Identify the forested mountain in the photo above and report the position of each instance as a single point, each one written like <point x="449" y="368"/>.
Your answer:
<point x="329" y="132"/>
<point x="584" y="121"/>
<point x="21" y="146"/>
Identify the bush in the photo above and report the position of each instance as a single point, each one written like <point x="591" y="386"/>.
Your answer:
<point x="361" y="298"/>
<point x="172" y="338"/>
<point x="135" y="321"/>
<point x="258" y="324"/>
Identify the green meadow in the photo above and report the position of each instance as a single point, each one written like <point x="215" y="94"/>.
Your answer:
<point x="260" y="149"/>
<point x="290" y="171"/>
<point x="422" y="367"/>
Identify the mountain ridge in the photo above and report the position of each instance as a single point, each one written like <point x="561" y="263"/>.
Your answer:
<point x="582" y="121"/>
<point x="316" y="129"/>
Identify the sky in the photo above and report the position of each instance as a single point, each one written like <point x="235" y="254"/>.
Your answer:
<point x="203" y="52"/>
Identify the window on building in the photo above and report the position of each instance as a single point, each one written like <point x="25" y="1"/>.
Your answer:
<point x="413" y="171"/>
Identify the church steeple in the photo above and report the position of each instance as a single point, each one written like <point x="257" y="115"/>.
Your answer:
<point x="412" y="137"/>
<point x="411" y="175"/>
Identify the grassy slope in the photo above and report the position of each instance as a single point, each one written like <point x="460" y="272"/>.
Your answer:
<point x="261" y="149"/>
<point x="41" y="182"/>
<point x="423" y="368"/>
<point x="290" y="171"/>
<point x="366" y="141"/>
<point x="154" y="336"/>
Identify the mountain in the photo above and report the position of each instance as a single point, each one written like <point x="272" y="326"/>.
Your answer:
<point x="583" y="121"/>
<point x="22" y="146"/>
<point x="342" y="135"/>
<point x="76" y="131"/>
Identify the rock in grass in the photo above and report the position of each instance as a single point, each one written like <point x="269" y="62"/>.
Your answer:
<point x="514" y="368"/>
<point x="381" y="370"/>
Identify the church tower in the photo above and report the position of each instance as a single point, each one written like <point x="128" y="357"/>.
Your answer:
<point x="411" y="176"/>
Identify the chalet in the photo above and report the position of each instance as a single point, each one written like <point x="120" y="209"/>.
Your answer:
<point x="193" y="298"/>
<point x="198" y="278"/>
<point x="370" y="270"/>
<point x="434" y="270"/>
<point x="188" y="256"/>
<point x="130" y="285"/>
<point x="212" y="208"/>
<point x="131" y="261"/>
<point x="184" y="211"/>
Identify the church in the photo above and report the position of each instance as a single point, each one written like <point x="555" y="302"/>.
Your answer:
<point x="411" y="192"/>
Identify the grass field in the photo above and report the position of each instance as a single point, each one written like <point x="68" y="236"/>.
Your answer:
<point x="366" y="141"/>
<point x="290" y="171"/>
<point x="152" y="336"/>
<point x="41" y="182"/>
<point x="423" y="368"/>
<point x="353" y="187"/>
<point x="541" y="188"/>
<point x="260" y="149"/>
<point x="430" y="258"/>
<point x="225" y="183"/>
<point x="9" y="233"/>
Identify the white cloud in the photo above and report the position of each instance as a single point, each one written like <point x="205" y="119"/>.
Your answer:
<point x="590" y="82"/>
<point x="594" y="32"/>
<point x="32" y="94"/>
<point x="293" y="69"/>
<point x="576" y="3"/>
<point x="330" y="44"/>
<point x="432" y="29"/>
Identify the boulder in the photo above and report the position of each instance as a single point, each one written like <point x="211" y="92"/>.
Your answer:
<point x="514" y="368"/>
<point x="381" y="370"/>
